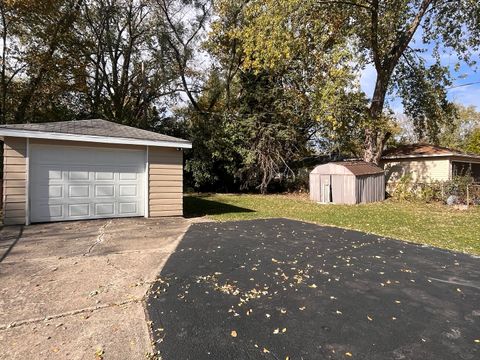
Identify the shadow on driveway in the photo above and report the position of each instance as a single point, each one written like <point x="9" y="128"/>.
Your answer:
<point x="9" y="239"/>
<point x="272" y="289"/>
<point x="195" y="206"/>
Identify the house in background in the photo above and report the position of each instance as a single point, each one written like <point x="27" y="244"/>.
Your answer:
<point x="426" y="163"/>
<point x="89" y="169"/>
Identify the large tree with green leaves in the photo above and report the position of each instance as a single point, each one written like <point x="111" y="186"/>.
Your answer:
<point x="456" y="134"/>
<point x="472" y="143"/>
<point x="269" y="107"/>
<point x="366" y="32"/>
<point x="124" y="60"/>
<point x="37" y="51"/>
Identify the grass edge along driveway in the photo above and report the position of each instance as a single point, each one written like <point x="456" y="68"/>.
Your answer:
<point x="431" y="224"/>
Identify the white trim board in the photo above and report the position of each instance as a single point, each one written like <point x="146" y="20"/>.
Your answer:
<point x="27" y="183"/>
<point x="147" y="183"/>
<point x="92" y="138"/>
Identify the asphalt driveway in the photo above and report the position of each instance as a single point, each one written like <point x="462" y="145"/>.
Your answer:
<point x="76" y="290"/>
<point x="282" y="289"/>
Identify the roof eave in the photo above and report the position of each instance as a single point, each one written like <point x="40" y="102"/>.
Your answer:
<point x="397" y="157"/>
<point x="92" y="138"/>
<point x="416" y="156"/>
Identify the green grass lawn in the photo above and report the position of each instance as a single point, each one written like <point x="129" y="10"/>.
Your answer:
<point x="431" y="224"/>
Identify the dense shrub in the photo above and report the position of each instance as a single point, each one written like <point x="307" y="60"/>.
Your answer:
<point x="437" y="191"/>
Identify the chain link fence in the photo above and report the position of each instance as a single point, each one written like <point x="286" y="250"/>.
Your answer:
<point x="473" y="194"/>
<point x="460" y="191"/>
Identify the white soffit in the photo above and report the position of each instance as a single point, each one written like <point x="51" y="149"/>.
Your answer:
<point x="92" y="138"/>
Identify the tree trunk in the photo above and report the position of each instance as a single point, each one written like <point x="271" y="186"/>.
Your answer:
<point x="375" y="138"/>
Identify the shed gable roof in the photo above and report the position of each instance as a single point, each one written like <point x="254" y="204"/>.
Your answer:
<point x="357" y="168"/>
<point x="360" y="168"/>
<point x="92" y="130"/>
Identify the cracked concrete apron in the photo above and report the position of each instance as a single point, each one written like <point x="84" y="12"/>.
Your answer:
<point x="70" y="290"/>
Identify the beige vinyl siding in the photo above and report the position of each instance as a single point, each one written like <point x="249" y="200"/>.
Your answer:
<point x="420" y="170"/>
<point x="165" y="181"/>
<point x="14" y="180"/>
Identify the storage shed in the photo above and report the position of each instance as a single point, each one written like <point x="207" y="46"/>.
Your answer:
<point x="347" y="182"/>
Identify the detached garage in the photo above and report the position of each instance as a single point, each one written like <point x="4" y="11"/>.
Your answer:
<point x="89" y="169"/>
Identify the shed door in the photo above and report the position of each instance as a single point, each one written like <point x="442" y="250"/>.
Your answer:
<point x="325" y="188"/>
<point x="73" y="183"/>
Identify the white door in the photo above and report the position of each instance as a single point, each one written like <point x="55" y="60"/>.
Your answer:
<point x="73" y="183"/>
<point x="326" y="187"/>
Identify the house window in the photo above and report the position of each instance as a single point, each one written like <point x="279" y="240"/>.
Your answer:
<point x="464" y="168"/>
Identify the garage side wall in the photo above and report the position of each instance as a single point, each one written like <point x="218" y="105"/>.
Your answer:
<point x="165" y="181"/>
<point x="14" y="175"/>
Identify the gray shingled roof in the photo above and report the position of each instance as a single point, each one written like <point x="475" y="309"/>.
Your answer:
<point x="94" y="127"/>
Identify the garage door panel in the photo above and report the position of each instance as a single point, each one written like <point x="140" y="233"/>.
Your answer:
<point x="54" y="174"/>
<point x="107" y="190"/>
<point x="126" y="208"/>
<point x="76" y="210"/>
<point x="102" y="156"/>
<point x="105" y="209"/>
<point x="128" y="190"/>
<point x="55" y="191"/>
<point x="85" y="183"/>
<point x="77" y="175"/>
<point x="128" y="176"/>
<point x="78" y="191"/>
<point x="104" y="175"/>
<point x="53" y="211"/>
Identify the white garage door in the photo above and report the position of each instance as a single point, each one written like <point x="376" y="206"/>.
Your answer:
<point x="73" y="183"/>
